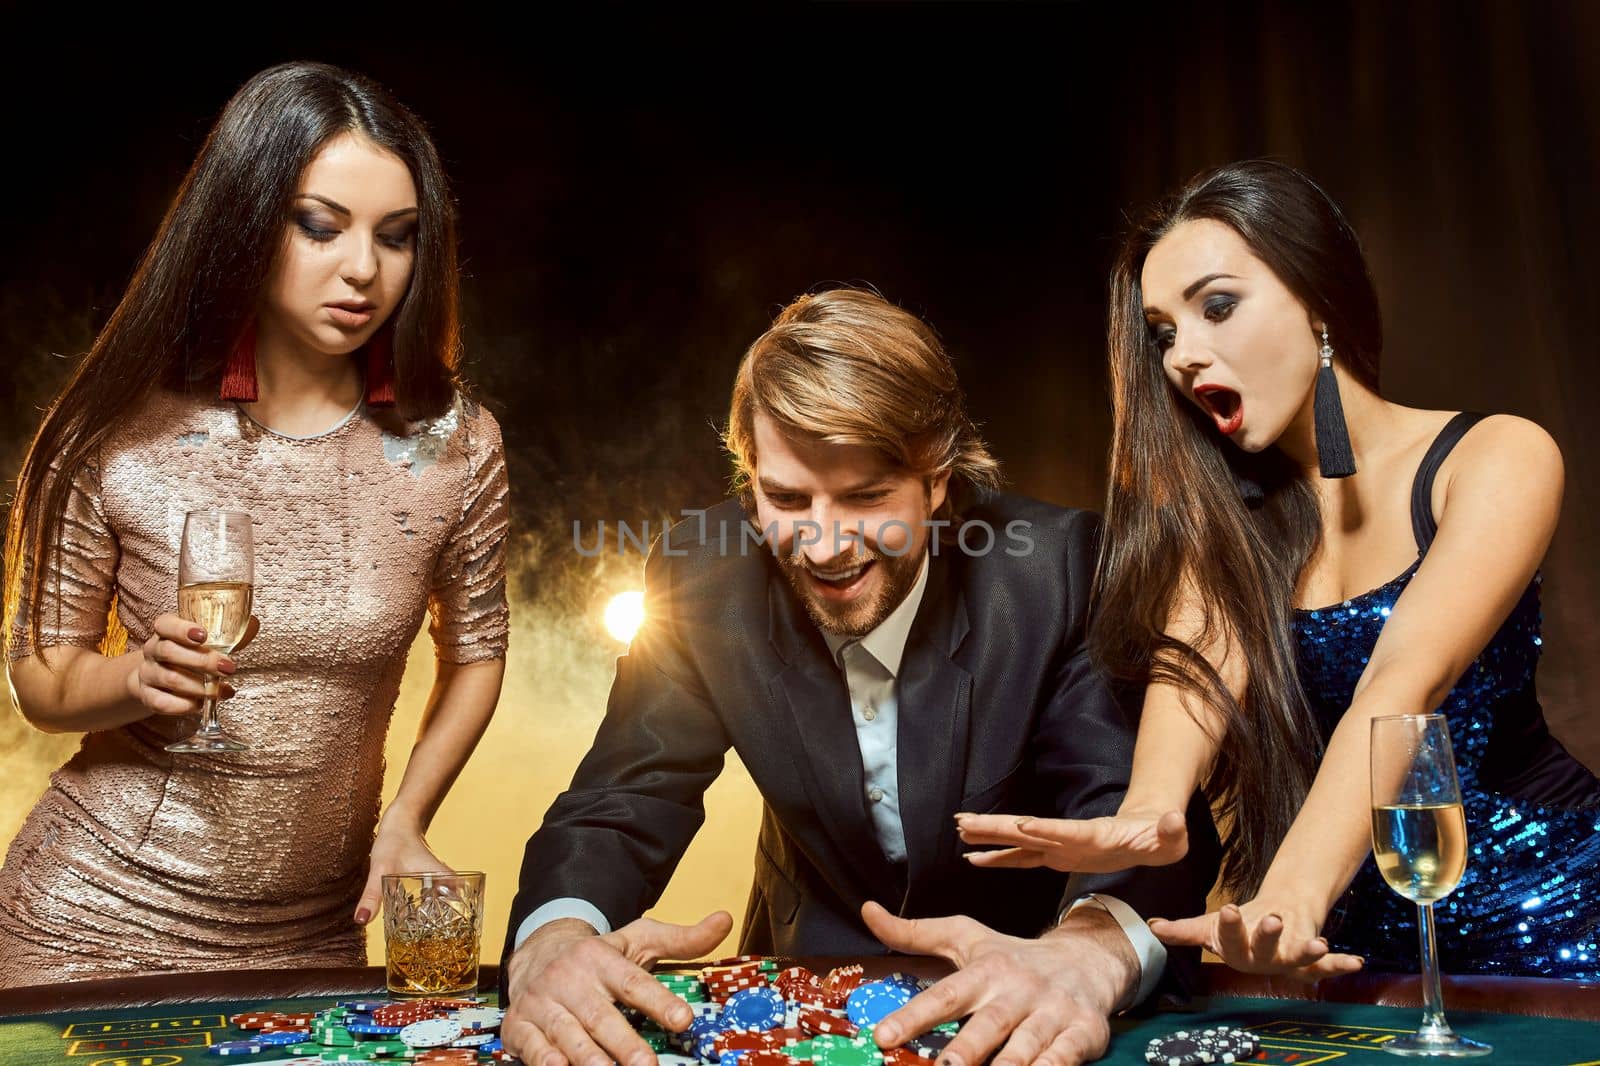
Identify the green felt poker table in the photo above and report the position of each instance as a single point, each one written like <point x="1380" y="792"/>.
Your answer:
<point x="172" y="1020"/>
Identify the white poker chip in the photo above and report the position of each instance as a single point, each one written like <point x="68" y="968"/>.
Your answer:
<point x="478" y="1018"/>
<point x="430" y="1032"/>
<point x="473" y="1040"/>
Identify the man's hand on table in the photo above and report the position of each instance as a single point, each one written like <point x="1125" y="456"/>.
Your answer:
<point x="1032" y="1001"/>
<point x="565" y="979"/>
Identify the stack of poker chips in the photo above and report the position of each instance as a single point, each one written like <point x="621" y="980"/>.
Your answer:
<point x="1198" y="1047"/>
<point x="432" y="1032"/>
<point x="748" y="1013"/>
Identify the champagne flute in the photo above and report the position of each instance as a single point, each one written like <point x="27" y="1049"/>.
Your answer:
<point x="216" y="583"/>
<point x="1419" y="838"/>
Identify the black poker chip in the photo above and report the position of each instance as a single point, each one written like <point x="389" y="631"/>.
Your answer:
<point x="931" y="1044"/>
<point x="1182" y="1048"/>
<point x="1227" y="1044"/>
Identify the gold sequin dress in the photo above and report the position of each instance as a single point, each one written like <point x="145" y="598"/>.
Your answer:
<point x="136" y="860"/>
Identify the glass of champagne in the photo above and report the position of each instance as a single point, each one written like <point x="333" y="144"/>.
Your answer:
<point x="1419" y="838"/>
<point x="216" y="582"/>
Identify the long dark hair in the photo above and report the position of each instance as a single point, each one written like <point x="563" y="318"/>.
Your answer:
<point x="198" y="284"/>
<point x="1177" y="522"/>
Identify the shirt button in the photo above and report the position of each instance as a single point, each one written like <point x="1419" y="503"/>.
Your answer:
<point x="875" y="794"/>
<point x="870" y="713"/>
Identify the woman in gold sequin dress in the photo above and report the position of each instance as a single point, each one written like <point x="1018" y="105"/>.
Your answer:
<point x="287" y="347"/>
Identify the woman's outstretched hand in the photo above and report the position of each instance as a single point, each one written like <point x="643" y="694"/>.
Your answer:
<point x="1077" y="845"/>
<point x="1260" y="937"/>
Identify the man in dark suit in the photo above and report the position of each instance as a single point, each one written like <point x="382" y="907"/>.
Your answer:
<point x="902" y="644"/>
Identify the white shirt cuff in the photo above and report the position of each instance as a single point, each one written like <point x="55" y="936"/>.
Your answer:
<point x="565" y="907"/>
<point x="1152" y="953"/>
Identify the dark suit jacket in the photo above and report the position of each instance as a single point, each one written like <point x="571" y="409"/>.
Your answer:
<point x="999" y="710"/>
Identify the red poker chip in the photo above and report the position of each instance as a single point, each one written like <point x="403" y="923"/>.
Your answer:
<point x="735" y="1040"/>
<point x="900" y="1056"/>
<point x="768" y="1058"/>
<point x="255" y="1019"/>
<point x="819" y="1022"/>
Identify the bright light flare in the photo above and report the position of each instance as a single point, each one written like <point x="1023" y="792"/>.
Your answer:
<point x="624" y="615"/>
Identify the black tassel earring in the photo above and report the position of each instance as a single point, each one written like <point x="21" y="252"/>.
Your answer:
<point x="1333" y="436"/>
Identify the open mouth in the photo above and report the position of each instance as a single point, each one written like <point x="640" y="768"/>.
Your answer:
<point x="1225" y="406"/>
<point x="840" y="581"/>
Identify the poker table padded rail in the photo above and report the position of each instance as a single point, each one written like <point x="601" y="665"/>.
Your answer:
<point x="1341" y="1022"/>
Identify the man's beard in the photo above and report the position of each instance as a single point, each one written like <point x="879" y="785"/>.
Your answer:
<point x="862" y="616"/>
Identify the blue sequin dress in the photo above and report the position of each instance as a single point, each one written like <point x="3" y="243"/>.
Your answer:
<point x="1530" y="902"/>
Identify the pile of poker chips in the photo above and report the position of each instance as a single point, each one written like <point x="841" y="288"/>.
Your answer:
<point x="749" y="1013"/>
<point x="432" y="1032"/>
<point x="1197" y="1047"/>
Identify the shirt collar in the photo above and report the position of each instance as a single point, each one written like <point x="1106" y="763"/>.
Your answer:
<point x="887" y="643"/>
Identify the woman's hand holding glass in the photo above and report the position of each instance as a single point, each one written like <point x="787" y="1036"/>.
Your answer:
<point x="173" y="666"/>
<point x="398" y="848"/>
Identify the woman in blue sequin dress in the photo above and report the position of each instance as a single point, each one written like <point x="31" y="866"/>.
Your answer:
<point x="1242" y="313"/>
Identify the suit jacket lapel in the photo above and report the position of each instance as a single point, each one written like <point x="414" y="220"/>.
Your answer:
<point x="828" y="754"/>
<point x="935" y="700"/>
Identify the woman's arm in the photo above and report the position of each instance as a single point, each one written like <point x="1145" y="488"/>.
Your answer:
<point x="70" y="689"/>
<point x="1498" y="501"/>
<point x="459" y="707"/>
<point x="1497" y="512"/>
<point x="1174" y="750"/>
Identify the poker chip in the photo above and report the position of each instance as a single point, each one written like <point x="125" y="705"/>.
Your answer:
<point x="1227" y="1044"/>
<point x="372" y="1029"/>
<point x="472" y="1040"/>
<point x="1182" y="1048"/>
<point x="478" y="1018"/>
<point x="384" y="1047"/>
<point x="929" y="1045"/>
<point x="430" y="1033"/>
<point x="755" y="1008"/>
<point x="254" y="1019"/>
<point x="231" y="1048"/>
<point x="818" y="1020"/>
<point x="300" y="1060"/>
<point x="281" y="1037"/>
<point x="874" y="1001"/>
<point x="366" y="1006"/>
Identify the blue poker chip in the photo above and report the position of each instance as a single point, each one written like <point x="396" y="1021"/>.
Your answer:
<point x="491" y="1047"/>
<point x="237" y="1047"/>
<point x="874" y="1001"/>
<point x="754" y="1009"/>
<point x="365" y="1006"/>
<point x="281" y="1037"/>
<point x="373" y="1029"/>
<point x="910" y="982"/>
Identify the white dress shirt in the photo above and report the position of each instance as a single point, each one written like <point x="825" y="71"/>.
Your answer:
<point x="871" y="665"/>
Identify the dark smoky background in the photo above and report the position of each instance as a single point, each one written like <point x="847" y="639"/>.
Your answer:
<point x="639" y="191"/>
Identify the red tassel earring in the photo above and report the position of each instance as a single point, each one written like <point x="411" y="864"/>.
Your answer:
<point x="239" y="376"/>
<point x="380" y="368"/>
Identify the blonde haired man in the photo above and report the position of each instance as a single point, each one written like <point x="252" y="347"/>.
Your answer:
<point x="886" y="641"/>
